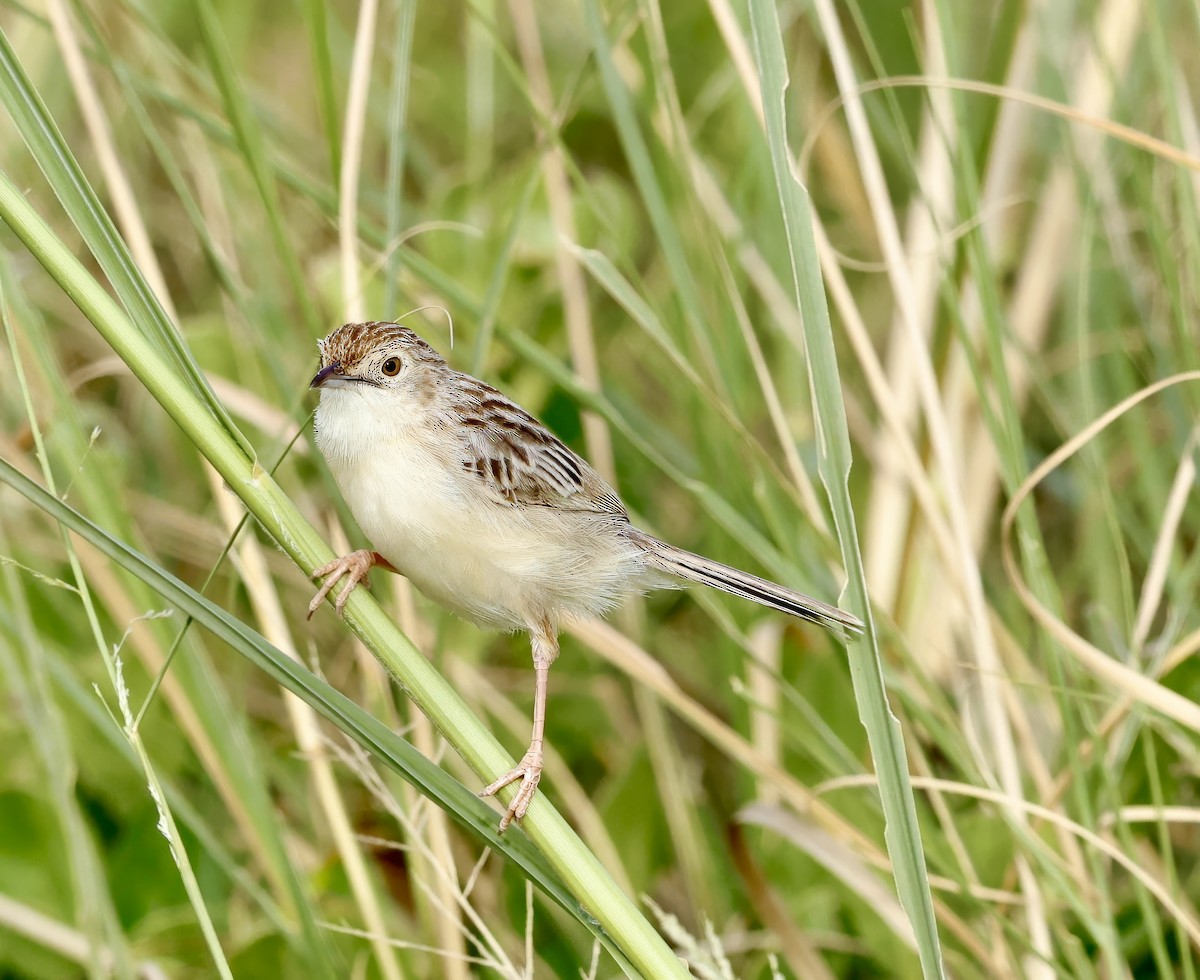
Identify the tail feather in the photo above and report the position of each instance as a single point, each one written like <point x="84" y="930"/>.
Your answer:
<point x="695" y="568"/>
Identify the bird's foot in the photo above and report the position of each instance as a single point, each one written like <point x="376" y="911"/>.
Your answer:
<point x="356" y="565"/>
<point x="529" y="772"/>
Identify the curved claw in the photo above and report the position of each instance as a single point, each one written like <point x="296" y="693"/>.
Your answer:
<point x="529" y="771"/>
<point x="356" y="565"/>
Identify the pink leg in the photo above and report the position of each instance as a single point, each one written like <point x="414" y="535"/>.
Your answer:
<point x="356" y="565"/>
<point x="544" y="639"/>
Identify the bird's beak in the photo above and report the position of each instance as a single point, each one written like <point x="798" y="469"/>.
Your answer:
<point x="331" y="372"/>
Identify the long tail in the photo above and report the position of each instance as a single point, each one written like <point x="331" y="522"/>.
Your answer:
<point x="695" y="568"/>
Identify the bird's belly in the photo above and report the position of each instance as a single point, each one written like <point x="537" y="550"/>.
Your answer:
<point x="495" y="565"/>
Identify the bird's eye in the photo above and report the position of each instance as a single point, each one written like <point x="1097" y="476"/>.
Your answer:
<point x="391" y="367"/>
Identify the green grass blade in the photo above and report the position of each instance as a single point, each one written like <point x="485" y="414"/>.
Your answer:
<point x="650" y="185"/>
<point x="903" y="834"/>
<point x="251" y="144"/>
<point x="318" y="32"/>
<point x="397" y="146"/>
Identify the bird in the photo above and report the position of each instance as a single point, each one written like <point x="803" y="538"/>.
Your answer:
<point x="488" y="513"/>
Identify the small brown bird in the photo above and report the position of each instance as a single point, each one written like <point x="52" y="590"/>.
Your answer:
<point x="487" y="512"/>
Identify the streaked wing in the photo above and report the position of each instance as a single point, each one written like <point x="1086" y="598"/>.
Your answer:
<point x="519" y="460"/>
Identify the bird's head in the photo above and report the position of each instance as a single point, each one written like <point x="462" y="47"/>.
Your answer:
<point x="375" y="357"/>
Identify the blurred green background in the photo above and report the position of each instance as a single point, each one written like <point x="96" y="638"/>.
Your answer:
<point x="586" y="191"/>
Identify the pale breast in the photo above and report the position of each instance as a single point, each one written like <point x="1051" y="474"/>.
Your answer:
<point x="497" y="565"/>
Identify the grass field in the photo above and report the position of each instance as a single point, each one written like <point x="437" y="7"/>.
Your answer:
<point x="962" y="249"/>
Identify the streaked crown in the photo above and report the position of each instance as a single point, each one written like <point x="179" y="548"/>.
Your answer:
<point x="351" y="342"/>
